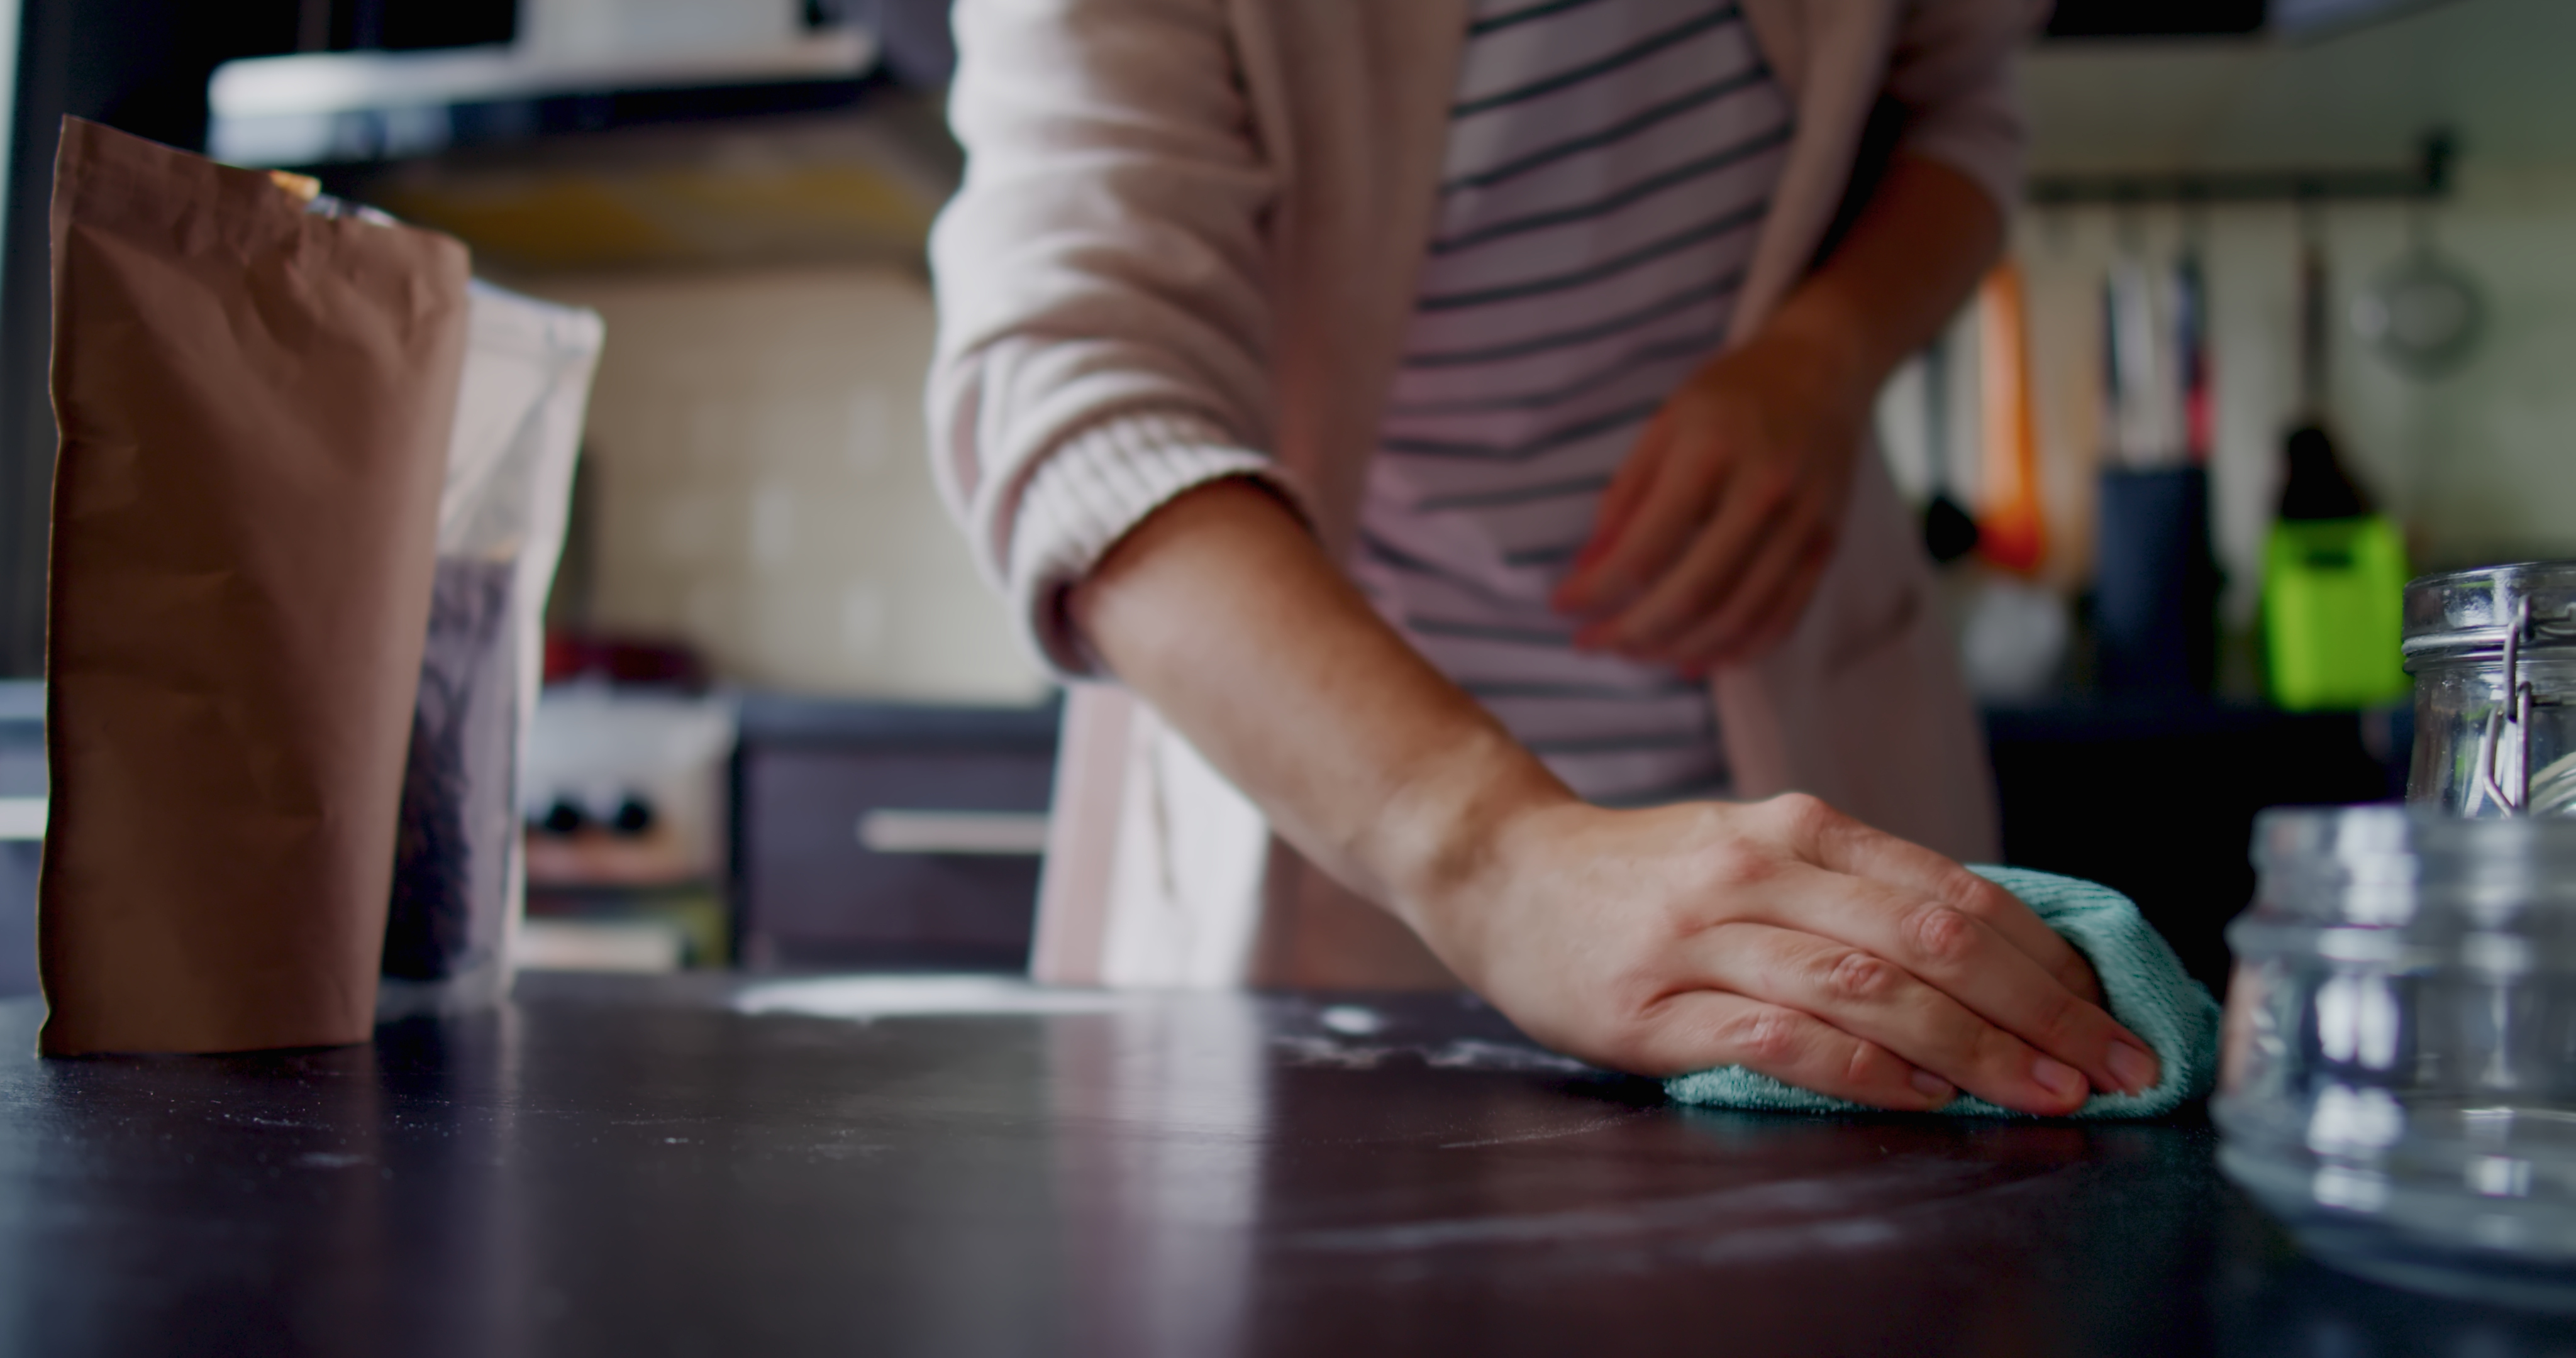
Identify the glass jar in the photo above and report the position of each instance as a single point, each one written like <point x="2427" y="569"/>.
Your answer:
<point x="2493" y="652"/>
<point x="2398" y="1080"/>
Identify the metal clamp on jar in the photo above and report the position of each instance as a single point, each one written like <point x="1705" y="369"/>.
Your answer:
<point x="2493" y="652"/>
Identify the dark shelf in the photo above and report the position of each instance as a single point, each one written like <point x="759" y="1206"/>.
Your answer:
<point x="772" y="718"/>
<point x="2156" y="18"/>
<point x="2157" y="800"/>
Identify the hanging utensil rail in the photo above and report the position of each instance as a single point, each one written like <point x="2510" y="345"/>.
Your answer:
<point x="2427" y="179"/>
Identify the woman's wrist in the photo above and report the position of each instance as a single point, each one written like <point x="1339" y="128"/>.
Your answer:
<point x="1220" y="609"/>
<point x="1832" y="345"/>
<point x="1440" y="842"/>
<point x="1928" y="233"/>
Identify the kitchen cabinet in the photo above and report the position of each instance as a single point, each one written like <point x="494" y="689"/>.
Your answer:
<point x="885" y="835"/>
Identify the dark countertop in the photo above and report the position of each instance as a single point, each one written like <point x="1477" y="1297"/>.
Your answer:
<point x="633" y="1167"/>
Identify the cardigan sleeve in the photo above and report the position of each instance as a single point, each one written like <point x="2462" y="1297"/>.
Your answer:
<point x="1952" y="73"/>
<point x="1103" y="319"/>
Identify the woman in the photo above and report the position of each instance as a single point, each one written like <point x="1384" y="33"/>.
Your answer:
<point x="1522" y="315"/>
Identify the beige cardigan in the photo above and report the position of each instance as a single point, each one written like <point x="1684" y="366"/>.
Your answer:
<point x="1185" y="250"/>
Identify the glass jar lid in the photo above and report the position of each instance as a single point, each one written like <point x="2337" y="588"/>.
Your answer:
<point x="2467" y="613"/>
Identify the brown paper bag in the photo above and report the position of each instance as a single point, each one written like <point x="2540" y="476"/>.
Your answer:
<point x="254" y="403"/>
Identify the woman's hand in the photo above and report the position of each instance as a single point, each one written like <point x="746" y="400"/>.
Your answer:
<point x="1718" y="526"/>
<point x="1784" y="937"/>
<point x="1716" y="530"/>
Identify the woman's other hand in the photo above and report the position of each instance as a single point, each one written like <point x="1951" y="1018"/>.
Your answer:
<point x="1784" y="937"/>
<point x="1712" y="537"/>
<point x="1714" y="533"/>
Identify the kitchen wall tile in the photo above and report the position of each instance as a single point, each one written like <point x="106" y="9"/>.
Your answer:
<point x="763" y="488"/>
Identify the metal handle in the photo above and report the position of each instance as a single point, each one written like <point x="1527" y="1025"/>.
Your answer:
<point x="2491" y="744"/>
<point x="22" y="818"/>
<point x="971" y="833"/>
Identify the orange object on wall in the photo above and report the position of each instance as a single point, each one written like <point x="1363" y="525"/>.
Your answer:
<point x="2010" y="530"/>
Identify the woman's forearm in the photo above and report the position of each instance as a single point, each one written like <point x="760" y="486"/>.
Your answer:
<point x="1222" y="611"/>
<point x="1905" y="267"/>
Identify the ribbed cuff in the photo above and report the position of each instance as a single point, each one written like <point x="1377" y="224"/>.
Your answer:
<point x="1093" y="490"/>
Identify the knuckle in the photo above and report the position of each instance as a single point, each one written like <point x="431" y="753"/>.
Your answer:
<point x="1855" y="975"/>
<point x="1809" y="821"/>
<point x="1767" y="1037"/>
<point x="1940" y="933"/>
<point x="1965" y="891"/>
<point x="1804" y="811"/>
<point x="2004" y="1055"/>
<point x="1638" y="1003"/>
<point x="1862" y="1066"/>
<point x="2079" y="978"/>
<point x="2061" y="1018"/>
<point x="1736" y="866"/>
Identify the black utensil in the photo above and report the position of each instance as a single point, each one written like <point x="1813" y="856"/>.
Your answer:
<point x="1949" y="530"/>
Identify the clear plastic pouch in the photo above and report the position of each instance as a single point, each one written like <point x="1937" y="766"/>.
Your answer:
<point x="460" y="882"/>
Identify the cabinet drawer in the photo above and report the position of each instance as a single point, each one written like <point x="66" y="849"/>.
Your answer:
<point x="814" y="894"/>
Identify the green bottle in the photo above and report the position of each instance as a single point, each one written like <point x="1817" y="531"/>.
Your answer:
<point x="2334" y="589"/>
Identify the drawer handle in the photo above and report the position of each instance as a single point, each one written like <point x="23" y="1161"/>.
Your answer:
<point x="988" y="833"/>
<point x="22" y="818"/>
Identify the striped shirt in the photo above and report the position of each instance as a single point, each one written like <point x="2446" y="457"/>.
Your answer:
<point x="1609" y="165"/>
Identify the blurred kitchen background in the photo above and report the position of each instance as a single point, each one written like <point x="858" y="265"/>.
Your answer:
<point x="789" y="727"/>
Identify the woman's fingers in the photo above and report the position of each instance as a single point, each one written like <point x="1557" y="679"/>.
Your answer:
<point x="1958" y="954"/>
<point x="1697" y="1029"/>
<point x="1700" y="577"/>
<point x="1834" y="841"/>
<point x="1773" y="589"/>
<point x="1619" y="502"/>
<point x="1649" y="524"/>
<point x="1772" y="627"/>
<point x="1877" y="1002"/>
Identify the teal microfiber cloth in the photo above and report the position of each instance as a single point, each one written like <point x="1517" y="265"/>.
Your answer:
<point x="2142" y="980"/>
